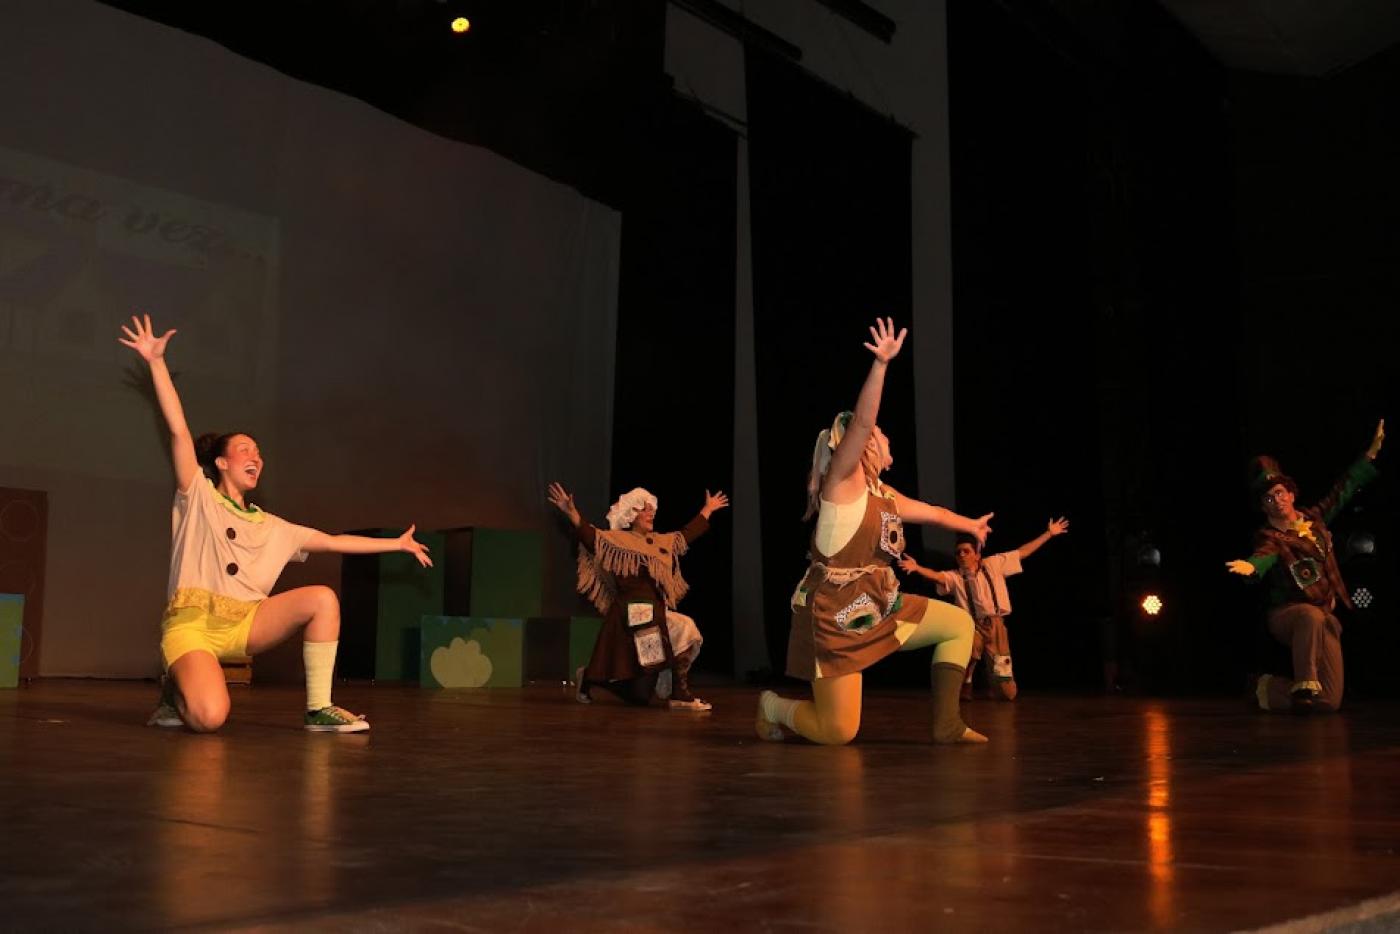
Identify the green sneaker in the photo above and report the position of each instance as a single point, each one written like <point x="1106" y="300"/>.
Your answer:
<point x="167" y="714"/>
<point x="335" y="719"/>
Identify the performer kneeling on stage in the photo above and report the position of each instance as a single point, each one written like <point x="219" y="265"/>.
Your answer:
<point x="632" y="574"/>
<point x="847" y="611"/>
<point x="225" y="556"/>
<point x="979" y="586"/>
<point x="1294" y="555"/>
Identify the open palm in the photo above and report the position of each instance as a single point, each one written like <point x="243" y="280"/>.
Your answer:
<point x="141" y="337"/>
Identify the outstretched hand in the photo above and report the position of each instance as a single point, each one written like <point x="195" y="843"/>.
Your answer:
<point x="141" y="337"/>
<point x="981" y="529"/>
<point x="1057" y="526"/>
<point x="907" y="564"/>
<point x="886" y="344"/>
<point x="1376" y="441"/>
<point x="560" y="499"/>
<point x="414" y="547"/>
<point x="714" y="502"/>
<point x="1242" y="568"/>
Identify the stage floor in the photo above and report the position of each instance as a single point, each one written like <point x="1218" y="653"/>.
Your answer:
<point x="522" y="810"/>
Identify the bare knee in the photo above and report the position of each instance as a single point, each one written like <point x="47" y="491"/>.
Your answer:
<point x="323" y="600"/>
<point x="206" y="714"/>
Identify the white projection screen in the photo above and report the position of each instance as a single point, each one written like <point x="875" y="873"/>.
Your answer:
<point x="416" y="330"/>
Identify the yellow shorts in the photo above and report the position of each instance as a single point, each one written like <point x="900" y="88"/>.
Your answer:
<point x="194" y="629"/>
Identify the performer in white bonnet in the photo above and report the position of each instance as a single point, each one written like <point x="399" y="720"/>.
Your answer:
<point x="631" y="573"/>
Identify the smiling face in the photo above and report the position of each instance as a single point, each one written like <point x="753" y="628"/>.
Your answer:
<point x="645" y="520"/>
<point x="241" y="464"/>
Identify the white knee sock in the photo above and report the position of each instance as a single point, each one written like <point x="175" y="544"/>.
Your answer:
<point x="778" y="709"/>
<point x="319" y="659"/>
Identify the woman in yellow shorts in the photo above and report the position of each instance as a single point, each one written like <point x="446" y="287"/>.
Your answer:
<point x="225" y="556"/>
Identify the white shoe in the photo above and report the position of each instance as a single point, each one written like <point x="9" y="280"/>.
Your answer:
<point x="766" y="729"/>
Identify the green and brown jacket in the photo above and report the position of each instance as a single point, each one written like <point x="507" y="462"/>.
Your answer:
<point x="1302" y="570"/>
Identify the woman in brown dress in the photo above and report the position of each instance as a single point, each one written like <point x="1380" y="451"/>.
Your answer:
<point x="631" y="573"/>
<point x="848" y="612"/>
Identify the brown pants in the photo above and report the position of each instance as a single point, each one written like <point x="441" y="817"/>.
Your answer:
<point x="990" y="641"/>
<point x="1315" y="637"/>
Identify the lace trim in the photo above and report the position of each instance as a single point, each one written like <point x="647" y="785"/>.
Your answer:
<point x="862" y="605"/>
<point x="891" y="534"/>
<point x="214" y="604"/>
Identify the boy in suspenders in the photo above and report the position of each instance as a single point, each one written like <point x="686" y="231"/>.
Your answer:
<point x="979" y="586"/>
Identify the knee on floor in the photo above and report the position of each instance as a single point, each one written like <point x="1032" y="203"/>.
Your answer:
<point x="839" y="733"/>
<point x="205" y="715"/>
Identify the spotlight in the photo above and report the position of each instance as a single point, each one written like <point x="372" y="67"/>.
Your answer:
<point x="461" y="24"/>
<point x="1361" y="543"/>
<point x="1149" y="557"/>
<point x="1363" y="598"/>
<point x="1152" y="604"/>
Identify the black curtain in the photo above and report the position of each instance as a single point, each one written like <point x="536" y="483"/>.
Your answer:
<point x="1097" y="337"/>
<point x="673" y="415"/>
<point x="830" y="219"/>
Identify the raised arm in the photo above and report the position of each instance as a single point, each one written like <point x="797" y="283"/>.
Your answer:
<point x="1362" y="472"/>
<point x="141" y="338"/>
<point x="1055" y="527"/>
<point x="843" y="478"/>
<point x="919" y="513"/>
<point x="364" y="545"/>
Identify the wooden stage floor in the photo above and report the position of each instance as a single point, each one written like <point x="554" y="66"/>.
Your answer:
<point x="522" y="810"/>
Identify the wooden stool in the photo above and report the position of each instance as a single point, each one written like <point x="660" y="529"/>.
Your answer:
<point x="237" y="670"/>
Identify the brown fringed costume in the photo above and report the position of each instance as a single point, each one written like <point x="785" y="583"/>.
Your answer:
<point x="620" y="568"/>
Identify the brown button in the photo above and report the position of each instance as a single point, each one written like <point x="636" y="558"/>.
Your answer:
<point x="230" y="532"/>
<point x="232" y="568"/>
<point x="648" y="541"/>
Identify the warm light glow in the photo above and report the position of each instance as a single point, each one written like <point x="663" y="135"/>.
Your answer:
<point x="1161" y="857"/>
<point x="461" y="24"/>
<point x="1152" y="604"/>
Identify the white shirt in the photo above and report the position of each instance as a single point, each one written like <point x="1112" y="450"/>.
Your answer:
<point x="215" y="547"/>
<point x="983" y="592"/>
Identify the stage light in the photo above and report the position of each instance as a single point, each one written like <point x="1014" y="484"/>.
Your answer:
<point x="1361" y="543"/>
<point x="1363" y="598"/>
<point x="1149" y="557"/>
<point x="1152" y="604"/>
<point x="461" y="24"/>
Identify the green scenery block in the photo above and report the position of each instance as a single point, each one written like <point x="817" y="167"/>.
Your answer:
<point x="507" y="573"/>
<point x="11" y="626"/>
<point x="471" y="652"/>
<point x="407" y="591"/>
<point x="583" y="632"/>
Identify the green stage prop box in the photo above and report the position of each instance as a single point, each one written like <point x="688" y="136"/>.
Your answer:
<point x="11" y="619"/>
<point x="487" y="573"/>
<point x="476" y="651"/>
<point x="472" y="652"/>
<point x="382" y="599"/>
<point x="507" y="573"/>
